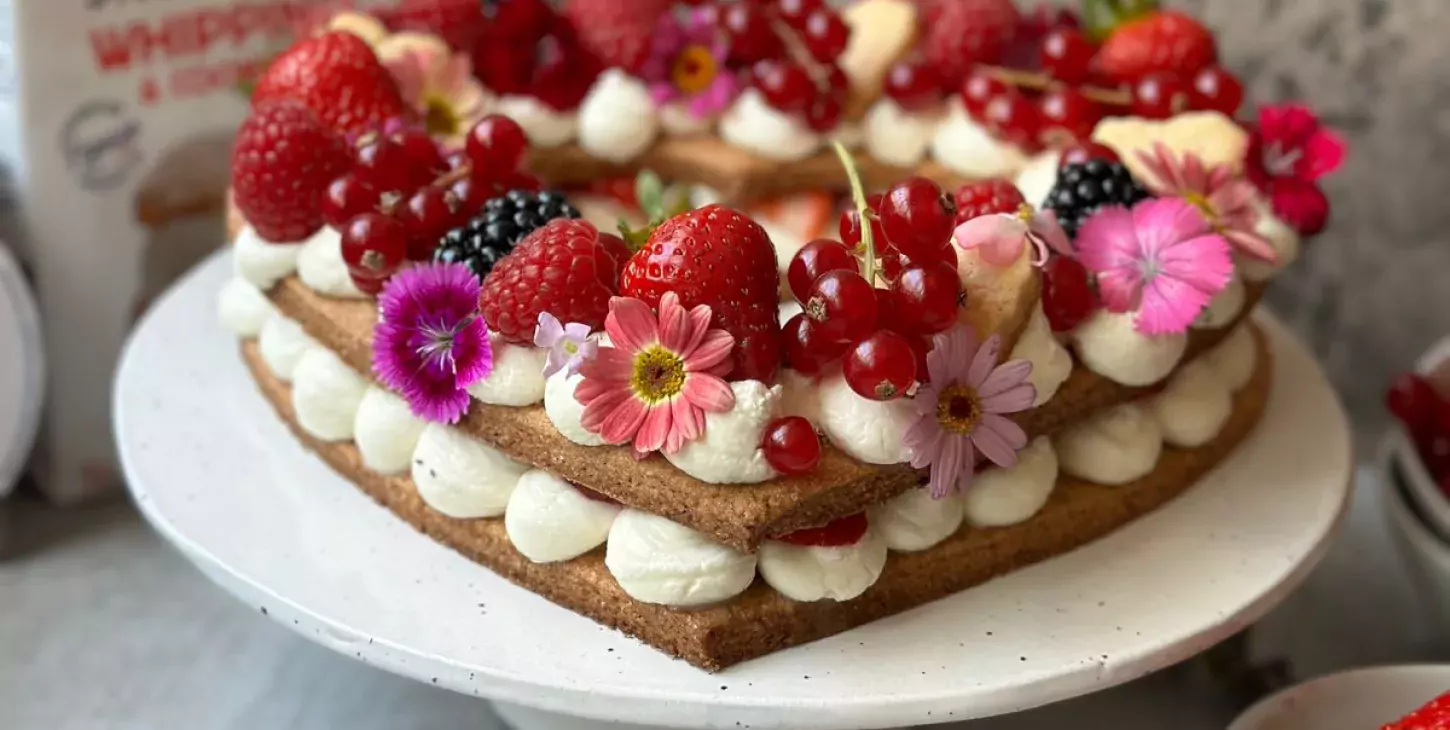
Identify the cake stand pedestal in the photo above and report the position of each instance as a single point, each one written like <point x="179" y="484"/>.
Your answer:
<point x="220" y="477"/>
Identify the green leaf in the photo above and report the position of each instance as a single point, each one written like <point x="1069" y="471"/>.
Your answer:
<point x="649" y="190"/>
<point x="1101" y="17"/>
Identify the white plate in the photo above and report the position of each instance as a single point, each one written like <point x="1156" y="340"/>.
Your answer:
<point x="218" y="475"/>
<point x="22" y="371"/>
<point x="1360" y="699"/>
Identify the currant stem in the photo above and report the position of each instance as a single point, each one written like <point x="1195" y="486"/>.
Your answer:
<point x="858" y="196"/>
<point x="1041" y="81"/>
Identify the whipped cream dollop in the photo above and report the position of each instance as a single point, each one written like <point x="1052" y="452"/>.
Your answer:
<point x="729" y="452"/>
<point x="517" y="378"/>
<point x="659" y="561"/>
<point x="548" y="520"/>
<point x="281" y="343"/>
<point x="1051" y="362"/>
<point x="260" y="262"/>
<point x="800" y="395"/>
<point x="1114" y="446"/>
<point x="818" y="573"/>
<point x="896" y="136"/>
<point x="1108" y="345"/>
<point x="321" y="268"/>
<point x="1284" y="240"/>
<point x="1224" y="306"/>
<point x="565" y="411"/>
<point x="1036" y="178"/>
<point x="386" y="431"/>
<point x="242" y="308"/>
<point x="868" y="430"/>
<point x="786" y="242"/>
<point x="461" y="476"/>
<point x="1234" y="359"/>
<point x="1001" y="497"/>
<point x="326" y="394"/>
<point x="545" y="126"/>
<point x="1193" y="407"/>
<point x="617" y="120"/>
<point x="912" y="521"/>
<point x="752" y="124"/>
<point x="968" y="148"/>
<point x="676" y="119"/>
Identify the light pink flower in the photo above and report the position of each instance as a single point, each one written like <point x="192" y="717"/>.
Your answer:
<point x="569" y="345"/>
<point x="1000" y="237"/>
<point x="960" y="409"/>
<point x="1226" y="201"/>
<point x="1160" y="259"/>
<point x="658" y="377"/>
<point x="436" y="82"/>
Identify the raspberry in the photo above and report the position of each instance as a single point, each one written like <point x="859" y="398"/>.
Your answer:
<point x="282" y="162"/>
<point x="963" y="33"/>
<point x="561" y="268"/>
<point x="995" y="195"/>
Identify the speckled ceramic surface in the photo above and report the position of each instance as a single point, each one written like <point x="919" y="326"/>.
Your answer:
<point x="1361" y="699"/>
<point x="219" y="476"/>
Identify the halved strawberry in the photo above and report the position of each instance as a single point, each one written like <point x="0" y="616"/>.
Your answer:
<point x="1434" y="715"/>
<point x="720" y="257"/>
<point x="338" y="77"/>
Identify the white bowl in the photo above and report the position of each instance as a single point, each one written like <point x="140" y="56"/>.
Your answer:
<point x="22" y="371"/>
<point x="1427" y="556"/>
<point x="1420" y="488"/>
<point x="1360" y="699"/>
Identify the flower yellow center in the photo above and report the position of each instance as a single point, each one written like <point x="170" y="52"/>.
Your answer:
<point x="438" y="116"/>
<point x="694" y="69"/>
<point x="658" y="375"/>
<point x="958" y="409"/>
<point x="1024" y="213"/>
<point x="570" y="347"/>
<point x="1200" y="201"/>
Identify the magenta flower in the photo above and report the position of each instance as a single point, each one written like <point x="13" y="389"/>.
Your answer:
<point x="960" y="409"/>
<point x="1226" y="201"/>
<point x="1161" y="259"/>
<point x="569" y="345"/>
<point x="658" y="377"/>
<point x="430" y="342"/>
<point x="687" y="63"/>
<point x="1289" y="150"/>
<point x="1000" y="237"/>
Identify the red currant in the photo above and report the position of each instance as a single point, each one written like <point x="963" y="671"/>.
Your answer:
<point x="1414" y="401"/>
<point x="850" y="226"/>
<point x="428" y="214"/>
<point x="520" y="180"/>
<point x="979" y="88"/>
<point x="843" y="305"/>
<point x="893" y="262"/>
<point x="496" y="143"/>
<point x="1217" y="90"/>
<point x="1159" y="96"/>
<point x="423" y="154"/>
<point x="812" y="260"/>
<point x="1068" y="113"/>
<point x="825" y="34"/>
<point x="825" y="112"/>
<point x="785" y="85"/>
<point x="1067" y="298"/>
<point x="374" y="245"/>
<point x="806" y="351"/>
<point x="880" y="367"/>
<point x="1014" y="118"/>
<point x="470" y="194"/>
<point x="1066" y="54"/>
<point x="457" y="160"/>
<point x="1085" y="151"/>
<point x="791" y="445"/>
<point x="917" y="217"/>
<point x="927" y="298"/>
<point x="346" y="197"/>
<point x="994" y="195"/>
<point x="384" y="164"/>
<point x="912" y="84"/>
<point x="839" y="533"/>
<point x="748" y="30"/>
<point x="920" y="347"/>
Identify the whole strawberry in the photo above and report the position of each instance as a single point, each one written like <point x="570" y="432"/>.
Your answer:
<point x="720" y="257"/>
<point x="338" y="77"/>
<point x="1163" y="42"/>
<point x="460" y="23"/>
<point x="617" y="31"/>
<point x="1434" y="715"/>
<point x="963" y="33"/>
<point x="564" y="268"/>
<point x="282" y="161"/>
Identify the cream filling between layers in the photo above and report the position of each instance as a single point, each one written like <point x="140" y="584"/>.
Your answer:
<point x="816" y="573"/>
<point x="544" y="126"/>
<point x="1001" y="497"/>
<point x="729" y="452"/>
<point x="386" y="431"/>
<point x="969" y="149"/>
<point x="752" y="124"/>
<point x="617" y="119"/>
<point x="549" y="521"/>
<point x="242" y="308"/>
<point x="658" y="561"/>
<point x="281" y="343"/>
<point x="321" y="268"/>
<point x="461" y="476"/>
<point x="517" y="378"/>
<point x="260" y="262"/>
<point x="1108" y="345"/>
<point x="326" y="394"/>
<point x="913" y="521"/>
<point x="896" y="136"/>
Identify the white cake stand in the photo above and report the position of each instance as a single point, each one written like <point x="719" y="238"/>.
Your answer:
<point x="218" y="475"/>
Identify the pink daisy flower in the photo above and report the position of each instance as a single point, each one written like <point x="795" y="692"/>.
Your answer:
<point x="658" y="377"/>
<point x="430" y="343"/>
<point x="960" y="409"/>
<point x="687" y="63"/>
<point x="1000" y="237"/>
<point x="1226" y="201"/>
<point x="1160" y="259"/>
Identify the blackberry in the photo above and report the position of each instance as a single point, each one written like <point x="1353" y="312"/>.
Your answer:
<point x="1083" y="187"/>
<point x="503" y="222"/>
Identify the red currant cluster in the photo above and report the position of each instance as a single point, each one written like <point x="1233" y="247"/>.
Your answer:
<point x="403" y="194"/>
<point x="791" y="445"/>
<point x="790" y="48"/>
<point x="1425" y="414"/>
<point x="880" y="335"/>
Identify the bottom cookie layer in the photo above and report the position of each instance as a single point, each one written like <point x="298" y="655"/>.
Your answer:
<point x="761" y="621"/>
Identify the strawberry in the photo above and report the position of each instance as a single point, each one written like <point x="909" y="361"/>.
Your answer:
<point x="338" y="77"/>
<point x="847" y="530"/>
<point x="617" y="31"/>
<point x="963" y="33"/>
<point x="282" y="161"/>
<point x="460" y="23"/>
<point x="1434" y="715"/>
<point x="720" y="257"/>
<point x="564" y="268"/>
<point x="1166" y="41"/>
